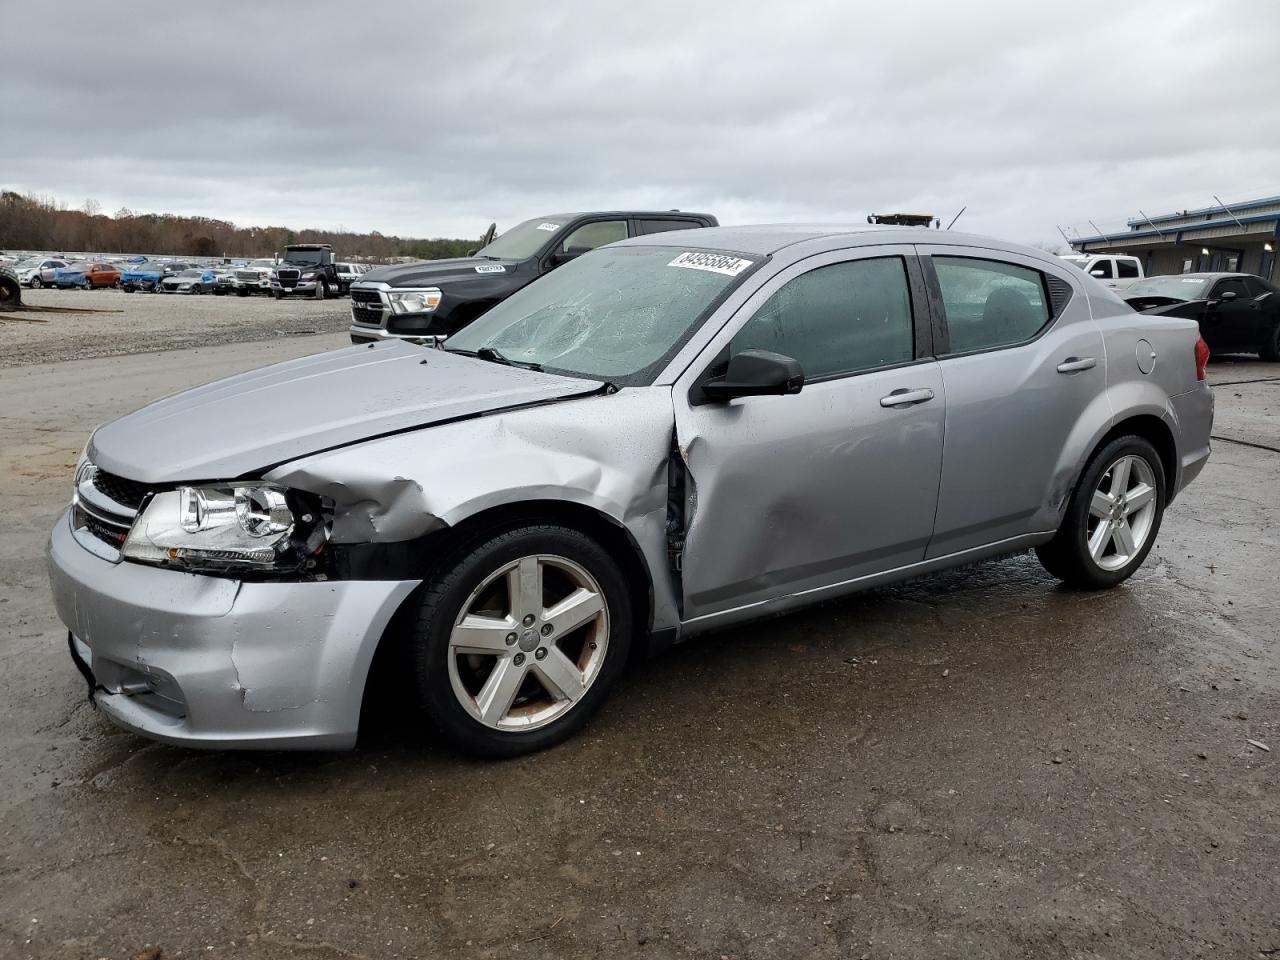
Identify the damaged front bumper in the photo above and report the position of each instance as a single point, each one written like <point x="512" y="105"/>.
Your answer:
<point x="207" y="661"/>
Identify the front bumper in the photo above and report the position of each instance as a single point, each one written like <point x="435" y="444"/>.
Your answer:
<point x="363" y="333"/>
<point x="212" y="662"/>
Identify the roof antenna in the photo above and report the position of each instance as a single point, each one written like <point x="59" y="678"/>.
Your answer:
<point x="957" y="216"/>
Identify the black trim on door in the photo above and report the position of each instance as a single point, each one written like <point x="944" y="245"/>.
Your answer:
<point x="922" y="312"/>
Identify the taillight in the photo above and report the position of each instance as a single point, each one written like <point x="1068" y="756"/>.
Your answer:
<point x="1202" y="357"/>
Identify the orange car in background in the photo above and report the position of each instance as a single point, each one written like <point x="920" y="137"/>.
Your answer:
<point x="87" y="276"/>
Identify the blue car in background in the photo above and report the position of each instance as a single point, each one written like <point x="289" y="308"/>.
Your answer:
<point x="148" y="276"/>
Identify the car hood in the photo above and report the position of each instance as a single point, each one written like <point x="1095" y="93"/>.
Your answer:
<point x="243" y="424"/>
<point x="438" y="271"/>
<point x="140" y="274"/>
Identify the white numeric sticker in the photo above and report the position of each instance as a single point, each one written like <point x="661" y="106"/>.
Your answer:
<point x="711" y="262"/>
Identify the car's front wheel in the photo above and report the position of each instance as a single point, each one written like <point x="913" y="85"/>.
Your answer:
<point x="519" y="639"/>
<point x="36" y="282"/>
<point x="1271" y="349"/>
<point x="1112" y="518"/>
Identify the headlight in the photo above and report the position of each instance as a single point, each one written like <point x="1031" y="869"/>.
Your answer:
<point x="414" y="301"/>
<point x="255" y="526"/>
<point x="308" y="276"/>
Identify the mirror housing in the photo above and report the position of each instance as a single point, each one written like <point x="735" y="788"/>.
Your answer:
<point x="1227" y="296"/>
<point x="1100" y="274"/>
<point x="756" y="373"/>
<point x="564" y="256"/>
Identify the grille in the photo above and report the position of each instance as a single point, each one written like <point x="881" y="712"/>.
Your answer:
<point x="247" y="275"/>
<point x="366" y="296"/>
<point x="127" y="493"/>
<point x="362" y="313"/>
<point x="288" y="274"/>
<point x="105" y="532"/>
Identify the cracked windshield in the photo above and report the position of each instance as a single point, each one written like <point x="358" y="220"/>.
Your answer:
<point x="614" y="314"/>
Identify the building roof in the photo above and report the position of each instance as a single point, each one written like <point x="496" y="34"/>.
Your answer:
<point x="1205" y="211"/>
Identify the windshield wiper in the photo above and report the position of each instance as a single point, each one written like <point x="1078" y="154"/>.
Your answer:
<point x="493" y="355"/>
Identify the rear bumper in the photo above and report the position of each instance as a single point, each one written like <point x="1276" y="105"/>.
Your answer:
<point x="1193" y="413"/>
<point x="212" y="662"/>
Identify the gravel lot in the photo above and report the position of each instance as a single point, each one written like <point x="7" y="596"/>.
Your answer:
<point x="980" y="764"/>
<point x="143" y="323"/>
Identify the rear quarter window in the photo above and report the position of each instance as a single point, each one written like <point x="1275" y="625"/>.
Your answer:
<point x="990" y="303"/>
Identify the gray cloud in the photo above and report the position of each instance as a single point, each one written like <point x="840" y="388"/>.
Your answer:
<point x="433" y="119"/>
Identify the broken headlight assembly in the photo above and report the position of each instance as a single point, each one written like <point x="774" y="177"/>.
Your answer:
<point x="231" y="528"/>
<point x="414" y="301"/>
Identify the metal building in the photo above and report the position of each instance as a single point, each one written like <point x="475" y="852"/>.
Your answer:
<point x="1239" y="236"/>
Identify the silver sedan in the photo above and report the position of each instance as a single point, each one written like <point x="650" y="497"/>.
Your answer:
<point x="666" y="435"/>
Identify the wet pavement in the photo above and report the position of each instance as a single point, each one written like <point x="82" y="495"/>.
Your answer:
<point x="978" y="764"/>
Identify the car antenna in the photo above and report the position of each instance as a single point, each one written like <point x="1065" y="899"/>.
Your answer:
<point x="957" y="216"/>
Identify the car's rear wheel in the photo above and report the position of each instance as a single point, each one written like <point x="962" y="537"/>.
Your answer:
<point x="519" y="639"/>
<point x="1112" y="519"/>
<point x="1271" y="349"/>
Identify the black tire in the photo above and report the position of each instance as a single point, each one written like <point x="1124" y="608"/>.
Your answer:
<point x="322" y="290"/>
<point x="278" y="294"/>
<point x="197" y="289"/>
<point x="1067" y="555"/>
<point x="242" y="293"/>
<point x="36" y="282"/>
<point x="442" y="601"/>
<point x="1271" y="349"/>
<point x="10" y="289"/>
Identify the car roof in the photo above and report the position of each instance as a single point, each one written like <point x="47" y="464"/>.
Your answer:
<point x="768" y="239"/>
<point x="655" y="214"/>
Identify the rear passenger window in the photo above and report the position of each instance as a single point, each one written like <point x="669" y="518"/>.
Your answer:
<point x="662" y="226"/>
<point x="592" y="235"/>
<point x="1126" y="269"/>
<point x="989" y="303"/>
<point x="837" y="319"/>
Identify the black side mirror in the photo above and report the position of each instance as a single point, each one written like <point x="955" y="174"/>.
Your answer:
<point x="756" y="373"/>
<point x="564" y="256"/>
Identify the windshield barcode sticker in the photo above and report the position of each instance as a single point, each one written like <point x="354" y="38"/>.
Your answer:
<point x="491" y="268"/>
<point x="711" y="262"/>
<point x="549" y="226"/>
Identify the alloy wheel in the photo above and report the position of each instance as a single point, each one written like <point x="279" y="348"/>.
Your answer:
<point x="528" y="643"/>
<point x="1121" y="512"/>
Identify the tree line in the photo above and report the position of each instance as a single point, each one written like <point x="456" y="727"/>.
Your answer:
<point x="42" y="223"/>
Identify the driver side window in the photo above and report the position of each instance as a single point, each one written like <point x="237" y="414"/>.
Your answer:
<point x="837" y="319"/>
<point x="592" y="235"/>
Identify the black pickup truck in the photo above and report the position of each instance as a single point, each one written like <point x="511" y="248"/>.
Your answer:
<point x="435" y="298"/>
<point x="307" y="269"/>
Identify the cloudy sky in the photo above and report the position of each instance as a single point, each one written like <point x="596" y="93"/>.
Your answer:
<point x="431" y="119"/>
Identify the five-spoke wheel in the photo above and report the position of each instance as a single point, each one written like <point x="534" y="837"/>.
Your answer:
<point x="520" y="637"/>
<point x="1112" y="517"/>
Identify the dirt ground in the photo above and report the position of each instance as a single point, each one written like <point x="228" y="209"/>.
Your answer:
<point x="125" y="323"/>
<point x="981" y="764"/>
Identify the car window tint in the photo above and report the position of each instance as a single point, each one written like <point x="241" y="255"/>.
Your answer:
<point x="1127" y="269"/>
<point x="1102" y="270"/>
<point x="1234" y="285"/>
<point x="989" y="303"/>
<point x="662" y="226"/>
<point x="592" y="235"/>
<point x="836" y="319"/>
<point x="1255" y="286"/>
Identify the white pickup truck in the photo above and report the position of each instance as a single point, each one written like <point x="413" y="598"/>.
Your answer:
<point x="1114" y="270"/>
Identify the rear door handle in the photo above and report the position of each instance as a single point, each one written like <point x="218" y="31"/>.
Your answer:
<point x="1076" y="364"/>
<point x="902" y="397"/>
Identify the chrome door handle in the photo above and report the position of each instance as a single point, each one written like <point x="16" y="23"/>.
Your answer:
<point x="902" y="397"/>
<point x="1076" y="364"/>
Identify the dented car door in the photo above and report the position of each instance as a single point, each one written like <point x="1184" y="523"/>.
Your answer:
<point x="788" y="494"/>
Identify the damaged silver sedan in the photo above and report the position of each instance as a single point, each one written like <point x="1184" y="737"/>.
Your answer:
<point x="664" y="436"/>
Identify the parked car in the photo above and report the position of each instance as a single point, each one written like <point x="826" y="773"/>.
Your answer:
<point x="222" y="279"/>
<point x="427" y="300"/>
<point x="148" y="276"/>
<point x="36" y="272"/>
<point x="349" y="273"/>
<point x="667" y="435"/>
<point x="194" y="280"/>
<point x="1115" y="271"/>
<point x="308" y="269"/>
<point x="255" y="277"/>
<point x="86" y="276"/>
<point x="1236" y="311"/>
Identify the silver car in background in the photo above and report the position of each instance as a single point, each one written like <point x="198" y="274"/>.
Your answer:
<point x="664" y="436"/>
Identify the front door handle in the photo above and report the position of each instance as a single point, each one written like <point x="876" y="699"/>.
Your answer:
<point x="902" y="397"/>
<point x="1076" y="364"/>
